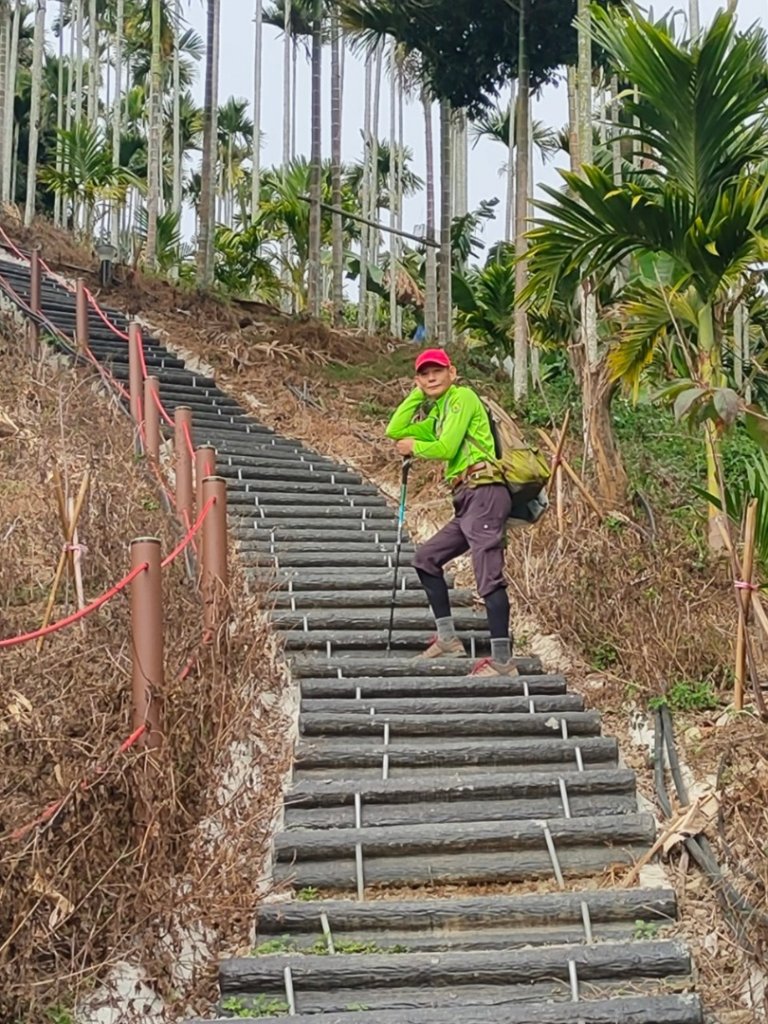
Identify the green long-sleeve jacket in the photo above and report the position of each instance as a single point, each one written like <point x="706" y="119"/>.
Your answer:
<point x="442" y="434"/>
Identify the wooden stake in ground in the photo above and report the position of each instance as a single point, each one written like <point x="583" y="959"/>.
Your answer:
<point x="574" y="476"/>
<point x="66" y="552"/>
<point x="557" y="459"/>
<point x="745" y="598"/>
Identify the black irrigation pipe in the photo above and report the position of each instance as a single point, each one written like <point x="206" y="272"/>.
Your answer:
<point x="737" y="909"/>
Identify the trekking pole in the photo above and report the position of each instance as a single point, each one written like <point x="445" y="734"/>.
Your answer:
<point x="398" y="546"/>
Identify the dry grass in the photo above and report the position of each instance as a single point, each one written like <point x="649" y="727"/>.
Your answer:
<point x="99" y="883"/>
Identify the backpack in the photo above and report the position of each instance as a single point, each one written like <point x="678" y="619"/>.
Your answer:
<point x="525" y="470"/>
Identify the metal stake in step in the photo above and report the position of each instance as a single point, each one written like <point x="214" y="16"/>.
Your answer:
<point x="553" y="855"/>
<point x="358" y="811"/>
<point x="526" y="691"/>
<point x="359" y="872"/>
<point x="564" y="728"/>
<point x="385" y="758"/>
<point x="579" y="760"/>
<point x="290" y="997"/>
<point x="358" y="690"/>
<point x="564" y="797"/>
<point x="327" y="932"/>
<point x="586" y="921"/>
<point x="472" y="648"/>
<point x="574" y="979"/>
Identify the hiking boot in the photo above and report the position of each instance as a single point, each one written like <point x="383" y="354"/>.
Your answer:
<point x="489" y="667"/>
<point x="452" y="648"/>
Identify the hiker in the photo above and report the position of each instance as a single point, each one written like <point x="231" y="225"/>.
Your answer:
<point x="457" y="430"/>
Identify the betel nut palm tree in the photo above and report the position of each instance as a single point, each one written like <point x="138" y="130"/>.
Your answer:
<point x="693" y="206"/>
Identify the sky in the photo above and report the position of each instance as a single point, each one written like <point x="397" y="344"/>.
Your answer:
<point x="486" y="159"/>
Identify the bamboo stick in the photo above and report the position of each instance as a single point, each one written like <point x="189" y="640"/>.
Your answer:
<point x="758" y="609"/>
<point x="71" y="525"/>
<point x="744" y="596"/>
<point x="557" y="468"/>
<point x="571" y="473"/>
<point x="76" y="560"/>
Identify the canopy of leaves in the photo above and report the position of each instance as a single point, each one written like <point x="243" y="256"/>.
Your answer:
<point x="469" y="48"/>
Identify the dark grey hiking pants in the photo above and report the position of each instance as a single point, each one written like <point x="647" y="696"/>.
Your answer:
<point x="478" y="526"/>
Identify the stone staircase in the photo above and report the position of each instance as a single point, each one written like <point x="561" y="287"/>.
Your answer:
<point x="449" y="840"/>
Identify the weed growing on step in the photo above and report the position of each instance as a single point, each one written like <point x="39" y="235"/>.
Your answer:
<point x="285" y="944"/>
<point x="256" y="1006"/>
<point x="687" y="695"/>
<point x="646" y="930"/>
<point x="308" y="894"/>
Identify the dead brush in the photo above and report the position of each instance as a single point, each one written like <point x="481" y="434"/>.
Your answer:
<point x="84" y="888"/>
<point x="644" y="614"/>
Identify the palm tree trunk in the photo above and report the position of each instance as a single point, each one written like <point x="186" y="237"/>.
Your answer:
<point x="430" y="262"/>
<point x="177" y="154"/>
<point x="117" y="110"/>
<point x="34" y="111"/>
<point x="93" y="64"/>
<point x="208" y="171"/>
<point x="373" y="212"/>
<point x="153" y="147"/>
<point x="520" y="382"/>
<point x="316" y="167"/>
<point x="286" y="299"/>
<point x="79" y="77"/>
<point x="294" y="94"/>
<point x="392" y="189"/>
<point x="58" y="202"/>
<point x="5" y="42"/>
<point x="256" y="144"/>
<point x="534" y="349"/>
<point x="444" y="301"/>
<point x="337" y="237"/>
<point x="362" y="309"/>
<point x="510" y="217"/>
<point x="10" y="95"/>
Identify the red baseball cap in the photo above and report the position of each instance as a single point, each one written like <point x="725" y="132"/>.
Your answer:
<point x="434" y="356"/>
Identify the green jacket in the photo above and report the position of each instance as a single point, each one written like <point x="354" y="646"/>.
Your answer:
<point x="442" y="434"/>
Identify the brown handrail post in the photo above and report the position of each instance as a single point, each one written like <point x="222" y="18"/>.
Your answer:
<point x="185" y="499"/>
<point x="215" y="573"/>
<point x="34" y="298"/>
<point x="152" y="417"/>
<point x="135" y="376"/>
<point x="148" y="675"/>
<point x="82" y="332"/>
<point x="205" y="465"/>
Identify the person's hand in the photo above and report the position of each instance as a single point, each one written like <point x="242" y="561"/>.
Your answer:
<point x="404" y="446"/>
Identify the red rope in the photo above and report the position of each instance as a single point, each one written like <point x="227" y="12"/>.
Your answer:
<point x="142" y="360"/>
<point x="12" y="246"/>
<point x="163" y="411"/>
<point x="191" y="532"/>
<point x="104" y="318"/>
<point x="54" y="627"/>
<point x="190" y="446"/>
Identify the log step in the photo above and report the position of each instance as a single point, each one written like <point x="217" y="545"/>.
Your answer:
<point x="445" y="921"/>
<point x="410" y="686"/>
<point x="493" y="755"/>
<point x="444" y="706"/>
<point x="443" y="976"/>
<point x="657" y="1009"/>
<point x="408" y="641"/>
<point x="545" y="725"/>
<point x="352" y="667"/>
<point x="361" y="598"/>
<point x="368" y="618"/>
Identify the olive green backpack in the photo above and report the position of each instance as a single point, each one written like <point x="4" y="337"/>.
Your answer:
<point x="525" y="470"/>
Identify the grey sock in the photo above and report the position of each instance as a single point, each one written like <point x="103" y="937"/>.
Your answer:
<point x="501" y="650"/>
<point x="445" y="628"/>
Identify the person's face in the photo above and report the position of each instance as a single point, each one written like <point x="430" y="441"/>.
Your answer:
<point x="435" y="380"/>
